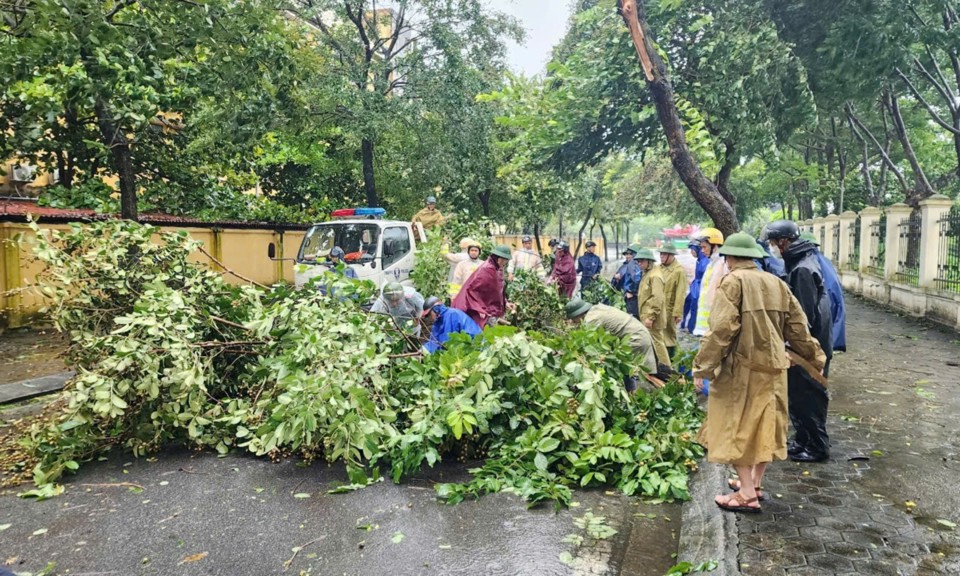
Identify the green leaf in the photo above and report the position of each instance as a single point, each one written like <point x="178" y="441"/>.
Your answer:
<point x="397" y="537"/>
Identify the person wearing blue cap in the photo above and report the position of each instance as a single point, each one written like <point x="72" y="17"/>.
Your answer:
<point x="429" y="216"/>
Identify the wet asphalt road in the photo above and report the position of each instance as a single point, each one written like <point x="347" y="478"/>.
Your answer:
<point x="198" y="514"/>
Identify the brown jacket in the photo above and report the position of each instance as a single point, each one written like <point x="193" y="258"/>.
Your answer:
<point x="743" y="354"/>
<point x="650" y="299"/>
<point x="429" y="218"/>
<point x="674" y="289"/>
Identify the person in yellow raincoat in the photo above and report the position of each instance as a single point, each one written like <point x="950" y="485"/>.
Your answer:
<point x="744" y="355"/>
<point x="651" y="303"/>
<point x="429" y="216"/>
<point x="674" y="294"/>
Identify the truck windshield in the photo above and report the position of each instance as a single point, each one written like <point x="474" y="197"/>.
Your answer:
<point x="358" y="241"/>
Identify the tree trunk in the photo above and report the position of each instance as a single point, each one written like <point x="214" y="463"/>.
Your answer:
<point x="922" y="188"/>
<point x="560" y="235"/>
<point x="884" y="150"/>
<point x="603" y="234"/>
<point x="872" y="200"/>
<point x="369" y="183"/>
<point x="701" y="188"/>
<point x="536" y="236"/>
<point x="723" y="176"/>
<point x="119" y="146"/>
<point x="484" y="198"/>
<point x="582" y="228"/>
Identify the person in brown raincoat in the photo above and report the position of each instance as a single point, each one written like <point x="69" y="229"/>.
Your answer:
<point x="564" y="272"/>
<point x="651" y="303"/>
<point x="744" y="356"/>
<point x="674" y="294"/>
<point x="483" y="295"/>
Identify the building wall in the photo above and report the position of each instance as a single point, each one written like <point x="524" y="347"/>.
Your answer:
<point x="242" y="251"/>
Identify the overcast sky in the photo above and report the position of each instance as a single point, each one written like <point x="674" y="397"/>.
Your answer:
<point x="545" y="22"/>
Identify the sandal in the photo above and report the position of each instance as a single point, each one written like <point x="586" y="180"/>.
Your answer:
<point x="737" y="503"/>
<point x="734" y="484"/>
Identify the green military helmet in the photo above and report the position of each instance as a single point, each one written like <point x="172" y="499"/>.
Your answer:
<point x="503" y="251"/>
<point x="668" y="249"/>
<point x="431" y="199"/>
<point x="393" y="291"/>
<point x="810" y="238"/>
<point x="645" y="254"/>
<point x="635" y="248"/>
<point x="741" y="245"/>
<point x="576" y="308"/>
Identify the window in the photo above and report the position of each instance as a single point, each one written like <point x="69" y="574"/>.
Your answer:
<point x="396" y="245"/>
<point x="358" y="241"/>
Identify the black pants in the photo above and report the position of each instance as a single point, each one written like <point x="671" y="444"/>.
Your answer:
<point x="808" y="401"/>
<point x="633" y="307"/>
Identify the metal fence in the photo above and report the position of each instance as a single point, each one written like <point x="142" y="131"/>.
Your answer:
<point x="853" y="238"/>
<point x="878" y="241"/>
<point x="835" y="247"/>
<point x="908" y="257"/>
<point x="948" y="259"/>
<point x="823" y="236"/>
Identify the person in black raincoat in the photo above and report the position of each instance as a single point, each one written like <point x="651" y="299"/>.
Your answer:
<point x="808" y="399"/>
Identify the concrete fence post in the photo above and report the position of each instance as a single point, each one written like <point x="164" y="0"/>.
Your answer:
<point x="895" y="214"/>
<point x="827" y="248"/>
<point x="847" y="220"/>
<point x="931" y="211"/>
<point x="868" y="217"/>
<point x="816" y="230"/>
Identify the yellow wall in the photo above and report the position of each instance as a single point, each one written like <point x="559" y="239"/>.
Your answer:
<point x="243" y="251"/>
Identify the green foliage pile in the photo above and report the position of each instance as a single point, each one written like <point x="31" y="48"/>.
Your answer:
<point x="168" y="353"/>
<point x="602" y="292"/>
<point x="539" y="305"/>
<point x="431" y="271"/>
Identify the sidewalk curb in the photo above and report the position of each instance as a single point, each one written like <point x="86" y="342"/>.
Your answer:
<point x="706" y="532"/>
<point x="26" y="389"/>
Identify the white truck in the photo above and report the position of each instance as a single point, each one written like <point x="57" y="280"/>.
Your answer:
<point x="378" y="250"/>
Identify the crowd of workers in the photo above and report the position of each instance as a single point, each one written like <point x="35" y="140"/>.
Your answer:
<point x="768" y="313"/>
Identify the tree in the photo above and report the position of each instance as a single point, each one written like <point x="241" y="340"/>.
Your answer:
<point x="100" y="88"/>
<point x="655" y="71"/>
<point x="378" y="51"/>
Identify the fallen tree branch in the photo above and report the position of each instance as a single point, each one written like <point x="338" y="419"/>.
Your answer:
<point x="231" y="272"/>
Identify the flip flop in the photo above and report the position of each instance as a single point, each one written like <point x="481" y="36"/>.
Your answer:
<point x="737" y="503"/>
<point x="734" y="484"/>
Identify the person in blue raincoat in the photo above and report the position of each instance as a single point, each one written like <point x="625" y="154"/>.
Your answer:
<point x="446" y="321"/>
<point x="589" y="266"/>
<point x="627" y="280"/>
<point x="770" y="263"/>
<point x="831" y="282"/>
<point x="689" y="320"/>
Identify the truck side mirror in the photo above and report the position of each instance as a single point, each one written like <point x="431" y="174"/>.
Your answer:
<point x="271" y="250"/>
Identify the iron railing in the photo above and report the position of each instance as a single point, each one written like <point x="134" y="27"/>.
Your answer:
<point x="878" y="242"/>
<point x="948" y="256"/>
<point x="823" y="235"/>
<point x="908" y="256"/>
<point x="853" y="237"/>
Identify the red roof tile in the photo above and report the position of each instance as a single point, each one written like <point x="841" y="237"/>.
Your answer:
<point x="18" y="209"/>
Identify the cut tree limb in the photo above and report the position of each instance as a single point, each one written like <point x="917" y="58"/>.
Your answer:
<point x="704" y="191"/>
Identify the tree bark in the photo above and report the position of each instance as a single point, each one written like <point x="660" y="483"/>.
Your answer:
<point x="705" y="192"/>
<point x="891" y="166"/>
<point x="872" y="198"/>
<point x="603" y="235"/>
<point x="369" y="183"/>
<point x="122" y="158"/>
<point x="723" y="176"/>
<point x="484" y="198"/>
<point x="922" y="188"/>
<point x="582" y="228"/>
